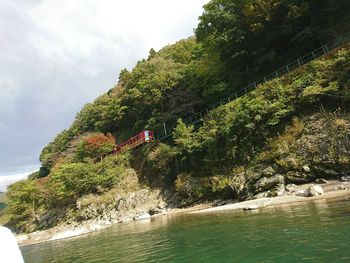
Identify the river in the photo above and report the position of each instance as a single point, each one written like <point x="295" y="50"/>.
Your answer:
<point x="306" y="232"/>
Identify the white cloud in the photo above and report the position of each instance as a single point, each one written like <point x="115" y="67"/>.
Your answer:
<point x="6" y="180"/>
<point x="57" y="55"/>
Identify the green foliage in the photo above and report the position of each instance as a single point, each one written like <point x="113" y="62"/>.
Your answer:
<point x="24" y="199"/>
<point x="183" y="137"/>
<point x="279" y="148"/>
<point x="53" y="151"/>
<point x="30" y="199"/>
<point x="235" y="133"/>
<point x="236" y="42"/>
<point x="160" y="159"/>
<point x="191" y="187"/>
<point x="253" y="37"/>
<point x="73" y="180"/>
<point x="101" y="116"/>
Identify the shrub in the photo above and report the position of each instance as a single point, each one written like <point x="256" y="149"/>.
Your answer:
<point x="94" y="145"/>
<point x="70" y="181"/>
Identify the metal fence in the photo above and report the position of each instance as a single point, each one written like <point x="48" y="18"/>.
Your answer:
<point x="198" y="116"/>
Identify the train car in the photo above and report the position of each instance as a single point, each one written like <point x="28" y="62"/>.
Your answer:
<point x="145" y="136"/>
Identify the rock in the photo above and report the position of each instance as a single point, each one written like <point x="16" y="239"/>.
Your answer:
<point x="345" y="178"/>
<point x="265" y="183"/>
<point x="142" y="216"/>
<point x="261" y="195"/>
<point x="251" y="207"/>
<point x="155" y="210"/>
<point x="321" y="181"/>
<point x="341" y="187"/>
<point x="272" y="194"/>
<point x="291" y="188"/>
<point x="269" y="171"/>
<point x="49" y="219"/>
<point x="291" y="162"/>
<point x="306" y="169"/>
<point x="114" y="215"/>
<point x="303" y="193"/>
<point x="315" y="190"/>
<point x="280" y="190"/>
<point x="298" y="177"/>
<point x="125" y="219"/>
<point x="331" y="172"/>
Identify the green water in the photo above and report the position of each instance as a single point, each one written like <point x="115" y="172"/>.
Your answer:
<point x="310" y="232"/>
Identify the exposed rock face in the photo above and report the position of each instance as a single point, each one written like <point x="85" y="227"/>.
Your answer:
<point x="315" y="146"/>
<point x="297" y="177"/>
<point x="48" y="219"/>
<point x="269" y="183"/>
<point x="116" y="207"/>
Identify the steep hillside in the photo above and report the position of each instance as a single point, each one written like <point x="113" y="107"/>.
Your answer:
<point x="297" y="121"/>
<point x="292" y="129"/>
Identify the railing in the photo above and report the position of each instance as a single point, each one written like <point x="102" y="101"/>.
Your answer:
<point x="198" y="116"/>
<point x="143" y="137"/>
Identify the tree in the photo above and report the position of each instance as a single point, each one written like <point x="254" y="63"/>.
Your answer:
<point x="94" y="145"/>
<point x="255" y="37"/>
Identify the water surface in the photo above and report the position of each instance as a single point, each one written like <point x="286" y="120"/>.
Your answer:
<point x="309" y="232"/>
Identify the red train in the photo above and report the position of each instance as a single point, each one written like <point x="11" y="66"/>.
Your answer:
<point x="143" y="137"/>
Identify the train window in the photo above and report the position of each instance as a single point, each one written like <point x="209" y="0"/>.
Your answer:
<point x="146" y="135"/>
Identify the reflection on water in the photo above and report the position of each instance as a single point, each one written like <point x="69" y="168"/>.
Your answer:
<point x="307" y="232"/>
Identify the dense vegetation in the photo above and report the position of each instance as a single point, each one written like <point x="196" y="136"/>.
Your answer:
<point x="235" y="42"/>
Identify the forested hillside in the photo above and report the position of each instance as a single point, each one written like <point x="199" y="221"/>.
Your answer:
<point x="278" y="127"/>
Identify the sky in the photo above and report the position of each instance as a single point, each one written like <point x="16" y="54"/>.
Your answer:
<point x="57" y="55"/>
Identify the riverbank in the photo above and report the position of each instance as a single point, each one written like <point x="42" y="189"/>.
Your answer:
<point x="331" y="190"/>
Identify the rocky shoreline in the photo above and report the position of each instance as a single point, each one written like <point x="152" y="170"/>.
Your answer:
<point x="292" y="194"/>
<point x="331" y="190"/>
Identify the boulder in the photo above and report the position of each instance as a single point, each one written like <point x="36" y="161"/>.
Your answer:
<point x="269" y="183"/>
<point x="269" y="171"/>
<point x="298" y="177"/>
<point x="291" y="188"/>
<point x="142" y="216"/>
<point x="341" y="187"/>
<point x="303" y="193"/>
<point x="321" y="181"/>
<point x="331" y="172"/>
<point x="315" y="190"/>
<point x="155" y="210"/>
<point x="345" y="178"/>
<point x="306" y="169"/>
<point x="312" y="190"/>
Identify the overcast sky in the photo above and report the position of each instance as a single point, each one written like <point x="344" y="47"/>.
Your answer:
<point x="57" y="55"/>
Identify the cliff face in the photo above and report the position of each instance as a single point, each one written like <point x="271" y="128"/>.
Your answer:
<point x="315" y="146"/>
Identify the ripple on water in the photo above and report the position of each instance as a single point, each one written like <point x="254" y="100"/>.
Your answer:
<point x="310" y="232"/>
